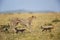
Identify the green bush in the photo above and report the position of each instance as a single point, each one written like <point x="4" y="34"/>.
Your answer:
<point x="56" y="20"/>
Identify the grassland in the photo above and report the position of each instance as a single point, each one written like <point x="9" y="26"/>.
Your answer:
<point x="37" y="34"/>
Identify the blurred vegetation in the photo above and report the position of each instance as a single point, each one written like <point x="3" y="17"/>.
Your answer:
<point x="37" y="34"/>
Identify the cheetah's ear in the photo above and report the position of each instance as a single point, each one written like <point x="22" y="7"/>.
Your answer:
<point x="33" y="16"/>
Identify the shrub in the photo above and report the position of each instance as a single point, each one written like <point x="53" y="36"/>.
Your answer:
<point x="56" y="20"/>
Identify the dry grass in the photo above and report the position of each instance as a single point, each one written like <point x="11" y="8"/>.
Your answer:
<point x="37" y="34"/>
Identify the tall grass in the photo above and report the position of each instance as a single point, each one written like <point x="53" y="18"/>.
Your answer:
<point x="41" y="19"/>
